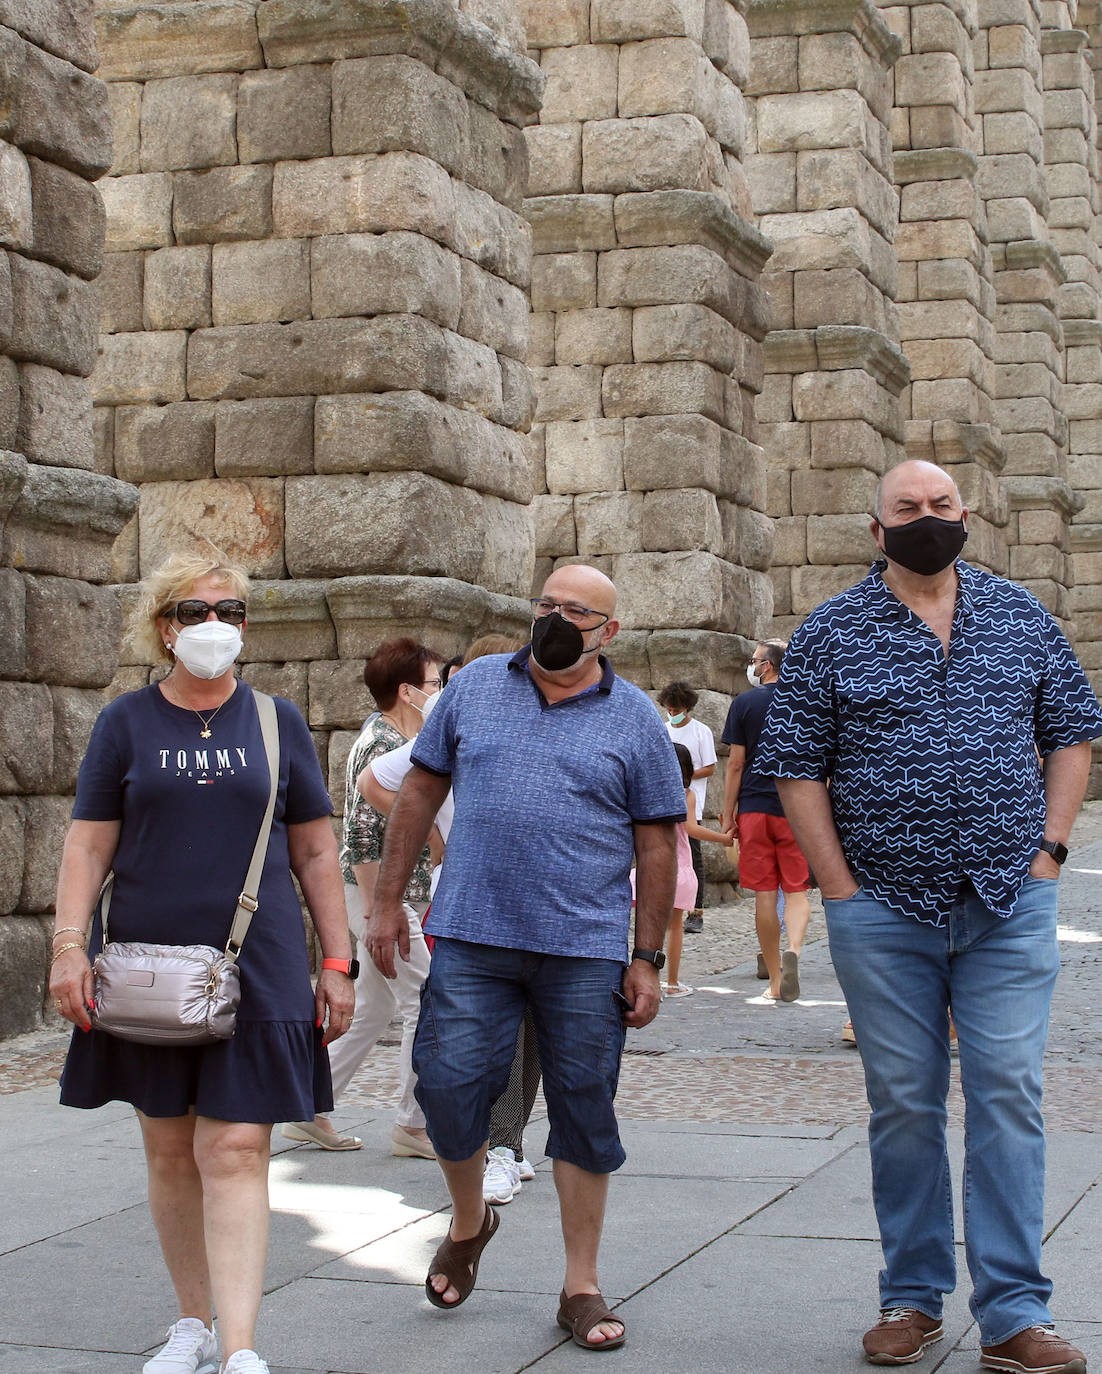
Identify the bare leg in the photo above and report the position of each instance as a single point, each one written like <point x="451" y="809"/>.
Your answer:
<point x="797" y="913"/>
<point x="232" y="1157"/>
<point x="176" y="1204"/>
<point x="675" y="941"/>
<point x="464" y="1180"/>
<point x="582" y="1198"/>
<point x="769" y="935"/>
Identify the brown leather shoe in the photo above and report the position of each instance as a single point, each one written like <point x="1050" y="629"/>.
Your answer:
<point x="901" y="1336"/>
<point x="1036" y="1350"/>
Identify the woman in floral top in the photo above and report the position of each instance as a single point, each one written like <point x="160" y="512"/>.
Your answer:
<point x="401" y="675"/>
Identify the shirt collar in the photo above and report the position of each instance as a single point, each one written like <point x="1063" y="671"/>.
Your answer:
<point x="884" y="602"/>
<point x="519" y="663"/>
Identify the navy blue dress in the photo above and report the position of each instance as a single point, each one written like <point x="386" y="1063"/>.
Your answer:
<point x="190" y="811"/>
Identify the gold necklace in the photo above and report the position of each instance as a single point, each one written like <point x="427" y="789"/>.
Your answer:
<point x="205" y="732"/>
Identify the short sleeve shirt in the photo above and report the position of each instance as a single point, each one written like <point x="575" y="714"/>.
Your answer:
<point x="697" y="739"/>
<point x="745" y="719"/>
<point x="546" y="796"/>
<point x="932" y="759"/>
<point x="364" y="827"/>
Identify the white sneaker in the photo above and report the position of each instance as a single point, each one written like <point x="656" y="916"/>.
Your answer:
<point x="191" y="1349"/>
<point x="501" y="1181"/>
<point x="524" y="1170"/>
<point x="245" y="1362"/>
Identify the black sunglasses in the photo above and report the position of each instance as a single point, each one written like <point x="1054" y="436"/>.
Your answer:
<point x="194" y="612"/>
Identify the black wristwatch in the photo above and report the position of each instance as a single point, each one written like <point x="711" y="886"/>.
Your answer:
<point x="1058" y="851"/>
<point x="652" y="956"/>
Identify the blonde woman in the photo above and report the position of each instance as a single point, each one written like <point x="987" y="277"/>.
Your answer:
<point x="170" y="798"/>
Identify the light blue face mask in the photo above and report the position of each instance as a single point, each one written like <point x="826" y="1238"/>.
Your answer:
<point x="676" y="720"/>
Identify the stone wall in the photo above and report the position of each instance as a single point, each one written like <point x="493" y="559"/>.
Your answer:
<point x="315" y="322"/>
<point x="59" y="511"/>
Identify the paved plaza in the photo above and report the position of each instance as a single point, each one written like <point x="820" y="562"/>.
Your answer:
<point x="740" y="1234"/>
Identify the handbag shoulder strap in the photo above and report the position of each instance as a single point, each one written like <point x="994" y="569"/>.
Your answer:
<point x="247" y="901"/>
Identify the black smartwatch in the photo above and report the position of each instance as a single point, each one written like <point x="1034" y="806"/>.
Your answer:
<point x="652" y="956"/>
<point x="1058" y="851"/>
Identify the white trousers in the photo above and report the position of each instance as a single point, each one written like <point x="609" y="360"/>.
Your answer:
<point x="376" y="999"/>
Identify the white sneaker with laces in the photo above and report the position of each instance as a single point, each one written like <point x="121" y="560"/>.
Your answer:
<point x="501" y="1181"/>
<point x="525" y="1170"/>
<point x="245" y="1362"/>
<point x="191" y="1349"/>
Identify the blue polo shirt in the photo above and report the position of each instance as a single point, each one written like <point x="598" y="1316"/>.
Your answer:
<point x="545" y="799"/>
<point x="932" y="759"/>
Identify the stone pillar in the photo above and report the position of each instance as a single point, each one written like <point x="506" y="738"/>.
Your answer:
<point x="820" y="177"/>
<point x="647" y="327"/>
<point x="1028" y="275"/>
<point x="1069" y="64"/>
<point x="946" y="297"/>
<point x="315" y="320"/>
<point x="59" y="625"/>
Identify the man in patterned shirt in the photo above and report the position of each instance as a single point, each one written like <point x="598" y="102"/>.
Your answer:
<point x="953" y="723"/>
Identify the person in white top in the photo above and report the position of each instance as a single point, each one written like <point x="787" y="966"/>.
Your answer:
<point x="677" y="700"/>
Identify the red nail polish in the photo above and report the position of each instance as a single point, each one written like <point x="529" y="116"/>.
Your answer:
<point x="317" y="1025"/>
<point x="86" y="1029"/>
<point x="92" y="1004"/>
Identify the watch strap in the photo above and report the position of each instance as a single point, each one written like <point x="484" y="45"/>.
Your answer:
<point x="1058" y="851"/>
<point x="340" y="965"/>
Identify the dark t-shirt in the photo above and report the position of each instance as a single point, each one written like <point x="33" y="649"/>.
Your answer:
<point x="190" y="810"/>
<point x="745" y="720"/>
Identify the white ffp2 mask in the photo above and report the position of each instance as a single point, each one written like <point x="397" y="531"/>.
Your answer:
<point x="207" y="650"/>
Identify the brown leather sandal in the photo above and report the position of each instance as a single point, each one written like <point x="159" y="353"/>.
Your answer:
<point x="581" y="1313"/>
<point x="458" y="1260"/>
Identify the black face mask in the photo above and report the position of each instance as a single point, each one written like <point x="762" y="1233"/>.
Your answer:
<point x="557" y="644"/>
<point x="926" y="546"/>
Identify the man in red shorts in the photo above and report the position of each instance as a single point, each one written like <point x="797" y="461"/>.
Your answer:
<point x="769" y="857"/>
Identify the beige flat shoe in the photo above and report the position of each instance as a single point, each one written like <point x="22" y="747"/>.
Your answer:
<point x="314" y="1134"/>
<point x="408" y="1146"/>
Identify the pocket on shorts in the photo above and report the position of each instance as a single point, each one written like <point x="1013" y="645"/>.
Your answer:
<point x="426" y="1045"/>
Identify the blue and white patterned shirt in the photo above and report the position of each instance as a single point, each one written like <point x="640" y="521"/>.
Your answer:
<point x="546" y="798"/>
<point x="932" y="760"/>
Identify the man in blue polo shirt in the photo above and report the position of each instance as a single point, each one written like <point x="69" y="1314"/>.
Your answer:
<point x="952" y="722"/>
<point x="561" y="772"/>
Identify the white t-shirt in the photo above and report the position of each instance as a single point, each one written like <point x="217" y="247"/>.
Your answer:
<point x="697" y="739"/>
<point x="390" y="769"/>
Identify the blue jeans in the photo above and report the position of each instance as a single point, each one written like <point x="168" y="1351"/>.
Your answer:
<point x="472" y="1005"/>
<point x="900" y="979"/>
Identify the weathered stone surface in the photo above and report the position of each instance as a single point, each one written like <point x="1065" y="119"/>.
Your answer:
<point x="555" y="23"/>
<point x="64" y="522"/>
<point x="556" y="533"/>
<point x="338" y="697"/>
<point x="663" y="590"/>
<point x="165" y="443"/>
<point x="176" y="291"/>
<point x="72" y="632"/>
<point x="703" y="655"/>
<point x="69" y="219"/>
<point x="23" y="959"/>
<point x="55" y="416"/>
<point x="391" y="273"/>
<point x="681" y="519"/>
<point x="53" y="317"/>
<point x="47" y="819"/>
<point x="16" y="210"/>
<point x="260" y="283"/>
<point x="663" y="389"/>
<point x="554" y="159"/>
<point x="378" y="432"/>
<point x="124" y="101"/>
<point x="395" y="103"/>
<point x="508" y="548"/>
<point x="136" y="368"/>
<point x="222" y="204"/>
<point x="74" y="713"/>
<point x="581" y="83"/>
<point x="675" y="275"/>
<point x="178" y="38"/>
<point x="653" y="154"/>
<point x="279" y="679"/>
<point x="585" y="456"/>
<point x="284" y="114"/>
<point x="119" y="291"/>
<point x="381" y="522"/>
<point x="64" y="28"/>
<point x="622" y="21"/>
<point x="139" y="211"/>
<point x="289" y="621"/>
<point x="242" y="518"/>
<point x="13" y="644"/>
<point x="26" y="737"/>
<point x="593" y="336"/>
<point x="11" y="857"/>
<point x="674" y="333"/>
<point x="494" y="312"/>
<point x="440" y="611"/>
<point x="52" y="109"/>
<point x="189" y="121"/>
<point x="608" y="522"/>
<point x="264" y="438"/>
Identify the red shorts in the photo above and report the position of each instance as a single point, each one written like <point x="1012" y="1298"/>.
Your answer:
<point x="768" y="855"/>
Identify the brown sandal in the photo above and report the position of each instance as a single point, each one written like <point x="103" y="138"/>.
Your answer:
<point x="458" y="1260"/>
<point x="581" y="1313"/>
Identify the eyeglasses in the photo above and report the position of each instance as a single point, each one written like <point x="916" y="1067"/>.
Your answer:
<point x="759" y="662"/>
<point x="577" y="615"/>
<point x="194" y="612"/>
<point x="431" y="684"/>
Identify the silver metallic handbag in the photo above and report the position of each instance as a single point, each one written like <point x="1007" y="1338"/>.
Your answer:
<point x="183" y="994"/>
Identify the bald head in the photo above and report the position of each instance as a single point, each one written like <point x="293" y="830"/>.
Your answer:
<point x="586" y="585"/>
<point x="916" y="488"/>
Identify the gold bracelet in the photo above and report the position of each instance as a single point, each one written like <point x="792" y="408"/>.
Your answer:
<point x="59" y="952"/>
<point x="76" y="930"/>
